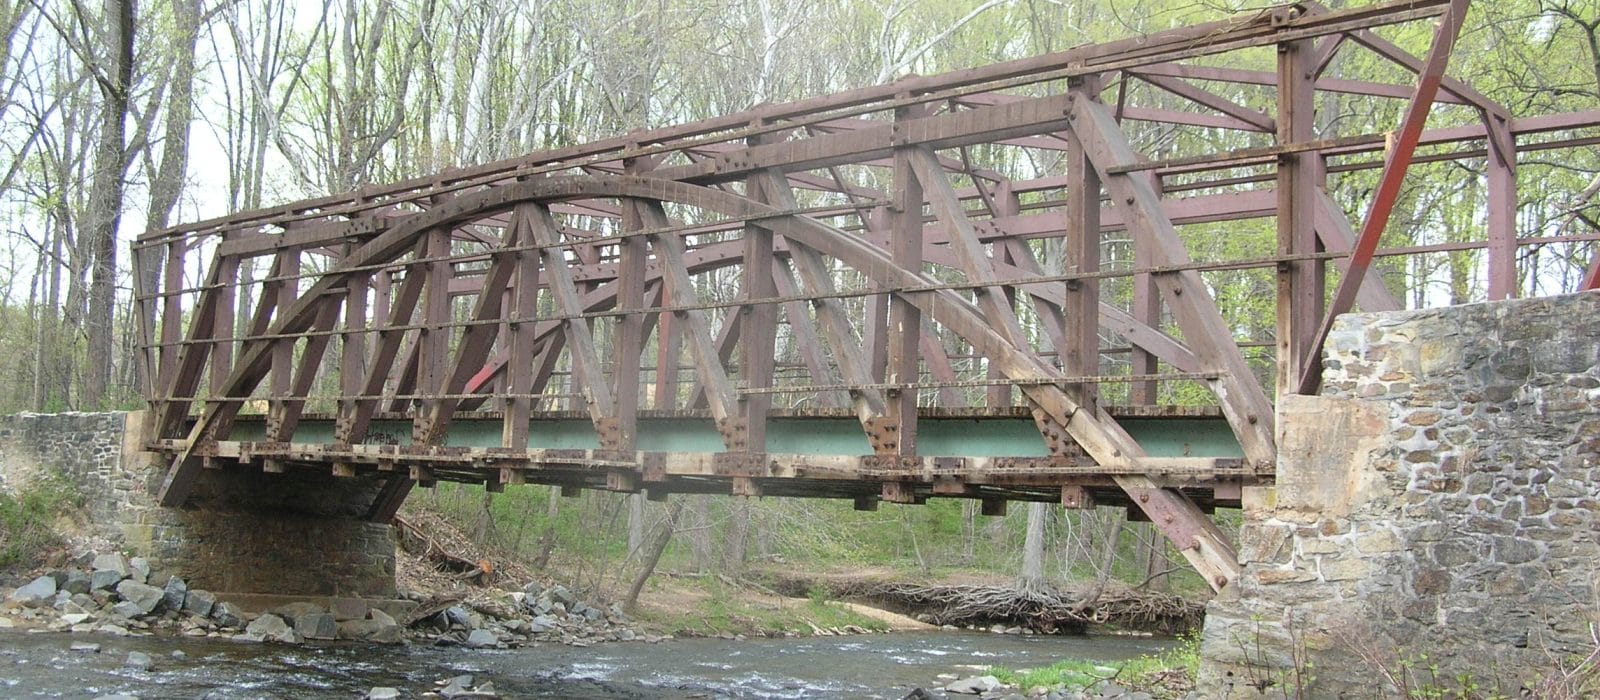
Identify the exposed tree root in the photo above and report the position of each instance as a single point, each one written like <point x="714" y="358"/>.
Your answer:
<point x="1042" y="608"/>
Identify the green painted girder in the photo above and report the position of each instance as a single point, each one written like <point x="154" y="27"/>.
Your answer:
<point x="974" y="436"/>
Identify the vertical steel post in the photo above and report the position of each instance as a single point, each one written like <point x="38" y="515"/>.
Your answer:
<point x="905" y="319"/>
<point x="1502" y="176"/>
<point x="1300" y="282"/>
<point x="1081" y="354"/>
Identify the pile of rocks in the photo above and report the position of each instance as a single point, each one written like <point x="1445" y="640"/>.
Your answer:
<point x="112" y="594"/>
<point x="990" y="688"/>
<point x="345" y="618"/>
<point x="534" y="614"/>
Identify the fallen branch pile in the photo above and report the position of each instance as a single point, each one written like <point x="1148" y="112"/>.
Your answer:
<point x="1044" y="610"/>
<point x="446" y="549"/>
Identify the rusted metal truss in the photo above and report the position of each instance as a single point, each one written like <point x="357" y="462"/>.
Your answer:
<point x="1010" y="237"/>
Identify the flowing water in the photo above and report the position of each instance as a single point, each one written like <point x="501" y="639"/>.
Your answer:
<point x="866" y="666"/>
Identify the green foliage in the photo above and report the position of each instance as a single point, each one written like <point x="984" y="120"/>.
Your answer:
<point x="1152" y="673"/>
<point x="28" y="519"/>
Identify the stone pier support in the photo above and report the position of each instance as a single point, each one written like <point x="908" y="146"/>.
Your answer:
<point x="243" y="533"/>
<point x="1439" y="504"/>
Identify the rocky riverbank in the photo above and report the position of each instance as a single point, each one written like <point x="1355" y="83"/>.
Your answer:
<point x="117" y="595"/>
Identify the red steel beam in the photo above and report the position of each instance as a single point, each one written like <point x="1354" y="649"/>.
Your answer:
<point x="1397" y="162"/>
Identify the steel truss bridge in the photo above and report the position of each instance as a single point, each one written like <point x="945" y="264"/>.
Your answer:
<point x="842" y="296"/>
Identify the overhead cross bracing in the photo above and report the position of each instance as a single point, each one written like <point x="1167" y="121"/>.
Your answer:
<point x="1007" y="245"/>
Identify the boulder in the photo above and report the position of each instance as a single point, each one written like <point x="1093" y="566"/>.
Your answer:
<point x="77" y="582"/>
<point x="560" y="594"/>
<point x="200" y="602"/>
<point x="139" y="661"/>
<point x="481" y="639"/>
<point x="127" y="610"/>
<point x="39" y="593"/>
<point x="293" y="610"/>
<point x="382" y="693"/>
<point x="377" y="631"/>
<point x="104" y="580"/>
<point x="976" y="685"/>
<point x="113" y="562"/>
<point x="272" y="628"/>
<point x="139" y="569"/>
<point x="382" y="617"/>
<point x="457" y="615"/>
<point x="348" y="609"/>
<point x="541" y="624"/>
<point x="86" y="647"/>
<point x="147" y="597"/>
<point x="174" y="593"/>
<point x="228" y="614"/>
<point x="317" y="626"/>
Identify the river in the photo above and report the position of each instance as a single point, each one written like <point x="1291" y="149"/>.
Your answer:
<point x="864" y="666"/>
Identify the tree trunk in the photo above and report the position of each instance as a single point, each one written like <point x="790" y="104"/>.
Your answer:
<point x="105" y="200"/>
<point x="701" y="550"/>
<point x="1108" y="557"/>
<point x="653" y="557"/>
<point x="483" y="529"/>
<point x="547" y="541"/>
<point x="1155" y="561"/>
<point x="636" y="515"/>
<point x="737" y="536"/>
<point x="167" y="182"/>
<point x="1032" y="576"/>
<point x="43" y="348"/>
<point x="969" y="530"/>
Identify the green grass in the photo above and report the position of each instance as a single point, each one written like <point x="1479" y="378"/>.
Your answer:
<point x="28" y="520"/>
<point x="1141" y="673"/>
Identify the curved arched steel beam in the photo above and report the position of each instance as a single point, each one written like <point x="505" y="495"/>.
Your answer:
<point x="1100" y="437"/>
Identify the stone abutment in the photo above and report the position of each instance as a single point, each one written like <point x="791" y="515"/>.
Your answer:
<point x="1436" y="514"/>
<point x="243" y="533"/>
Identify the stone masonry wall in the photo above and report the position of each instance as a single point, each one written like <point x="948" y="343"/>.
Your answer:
<point x="242" y="532"/>
<point x="1440" y="502"/>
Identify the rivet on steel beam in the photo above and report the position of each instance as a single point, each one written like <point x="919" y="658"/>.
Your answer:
<point x="1128" y="200"/>
<point x="1144" y="498"/>
<point x="1252" y="419"/>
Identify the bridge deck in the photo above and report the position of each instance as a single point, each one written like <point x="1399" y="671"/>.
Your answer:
<point x="990" y="454"/>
